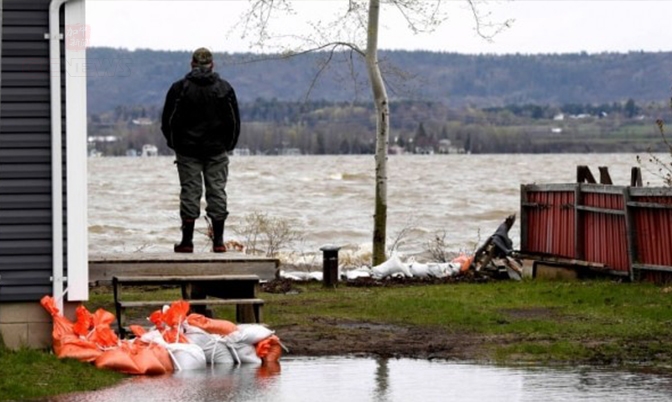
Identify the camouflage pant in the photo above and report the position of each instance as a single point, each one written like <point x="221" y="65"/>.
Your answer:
<point x="194" y="172"/>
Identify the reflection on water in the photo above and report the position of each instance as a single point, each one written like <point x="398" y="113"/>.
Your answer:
<point x="383" y="380"/>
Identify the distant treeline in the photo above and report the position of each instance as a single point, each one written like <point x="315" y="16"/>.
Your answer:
<point x="122" y="77"/>
<point x="320" y="127"/>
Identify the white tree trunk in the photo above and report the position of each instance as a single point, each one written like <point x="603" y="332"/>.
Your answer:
<point x="382" y="134"/>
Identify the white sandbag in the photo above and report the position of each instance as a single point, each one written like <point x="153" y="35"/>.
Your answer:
<point x="448" y="268"/>
<point x="295" y="275"/>
<point x="196" y="335"/>
<point x="247" y="353"/>
<point x="454" y="268"/>
<point x="437" y="270"/>
<point x="393" y="266"/>
<point x="153" y="336"/>
<point x="214" y="346"/>
<point x="316" y="276"/>
<point x="251" y="334"/>
<point x="186" y="356"/>
<point x="362" y="272"/>
<point x="419" y="270"/>
<point x="219" y="352"/>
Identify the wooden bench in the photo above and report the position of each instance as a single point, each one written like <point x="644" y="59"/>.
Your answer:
<point x="238" y="290"/>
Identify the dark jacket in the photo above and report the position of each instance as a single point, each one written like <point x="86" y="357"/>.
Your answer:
<point x="200" y="116"/>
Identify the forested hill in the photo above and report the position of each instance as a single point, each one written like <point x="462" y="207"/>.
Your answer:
<point x="141" y="77"/>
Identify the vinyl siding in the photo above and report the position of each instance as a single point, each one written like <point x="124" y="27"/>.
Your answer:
<point x="25" y="152"/>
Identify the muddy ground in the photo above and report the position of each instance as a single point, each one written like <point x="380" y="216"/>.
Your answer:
<point x="331" y="337"/>
<point x="371" y="339"/>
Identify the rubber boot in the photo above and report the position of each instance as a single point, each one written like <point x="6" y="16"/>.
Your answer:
<point x="186" y="245"/>
<point x="218" y="236"/>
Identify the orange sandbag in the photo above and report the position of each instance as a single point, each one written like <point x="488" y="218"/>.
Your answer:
<point x="137" y="330"/>
<point x="73" y="347"/>
<point x="146" y="361"/>
<point x="156" y="318"/>
<point x="268" y="369"/>
<point x="269" y="349"/>
<point x="62" y="326"/>
<point x="162" y="355"/>
<point x="171" y="335"/>
<point x="102" y="317"/>
<point x="211" y="325"/>
<point x="176" y="313"/>
<point x="84" y="321"/>
<point x="118" y="359"/>
<point x="168" y="322"/>
<point x="65" y="342"/>
<point x="466" y="264"/>
<point x="104" y="337"/>
<point x="464" y="261"/>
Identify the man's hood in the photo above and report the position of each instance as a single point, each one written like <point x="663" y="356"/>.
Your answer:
<point x="202" y="76"/>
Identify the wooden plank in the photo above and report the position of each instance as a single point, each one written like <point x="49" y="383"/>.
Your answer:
<point x="579" y="246"/>
<point x="182" y="279"/>
<point x="651" y="192"/>
<point x="602" y="189"/>
<point x="600" y="210"/>
<point x="550" y="187"/>
<point x="232" y="256"/>
<point x="199" y="302"/>
<point x="605" y="177"/>
<point x="102" y="267"/>
<point x="584" y="175"/>
<point x="631" y="238"/>
<point x="524" y="217"/>
<point x="635" y="177"/>
<point x="645" y="267"/>
<point x="637" y="204"/>
<point x="564" y="261"/>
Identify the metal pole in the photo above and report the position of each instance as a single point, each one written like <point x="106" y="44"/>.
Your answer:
<point x="330" y="265"/>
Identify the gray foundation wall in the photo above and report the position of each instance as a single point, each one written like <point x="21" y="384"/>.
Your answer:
<point x="27" y="324"/>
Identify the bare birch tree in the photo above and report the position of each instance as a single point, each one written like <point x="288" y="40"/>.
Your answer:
<point x="361" y="16"/>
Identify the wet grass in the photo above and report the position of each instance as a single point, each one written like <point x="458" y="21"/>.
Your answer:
<point x="534" y="321"/>
<point x="28" y="374"/>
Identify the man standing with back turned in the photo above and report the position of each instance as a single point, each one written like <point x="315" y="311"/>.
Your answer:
<point x="201" y="124"/>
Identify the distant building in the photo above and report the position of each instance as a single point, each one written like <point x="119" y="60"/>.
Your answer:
<point x="446" y="147"/>
<point x="241" y="152"/>
<point x="142" y="121"/>
<point x="102" y="138"/>
<point x="150" y="150"/>
<point x="289" y="151"/>
<point x="396" y="150"/>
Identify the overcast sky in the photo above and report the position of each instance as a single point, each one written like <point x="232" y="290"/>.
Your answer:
<point x="539" y="26"/>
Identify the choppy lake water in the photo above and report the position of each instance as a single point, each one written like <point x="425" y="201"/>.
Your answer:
<point x="133" y="202"/>
<point x="383" y="380"/>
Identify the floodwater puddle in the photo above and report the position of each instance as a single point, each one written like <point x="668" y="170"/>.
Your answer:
<point x="385" y="380"/>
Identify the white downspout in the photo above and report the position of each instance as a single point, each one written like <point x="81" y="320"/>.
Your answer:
<point x="56" y="151"/>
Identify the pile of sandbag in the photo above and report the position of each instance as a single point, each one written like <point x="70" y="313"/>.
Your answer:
<point x="393" y="267"/>
<point x="176" y="341"/>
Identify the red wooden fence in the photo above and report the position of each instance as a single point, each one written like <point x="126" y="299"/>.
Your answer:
<point x="625" y="231"/>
